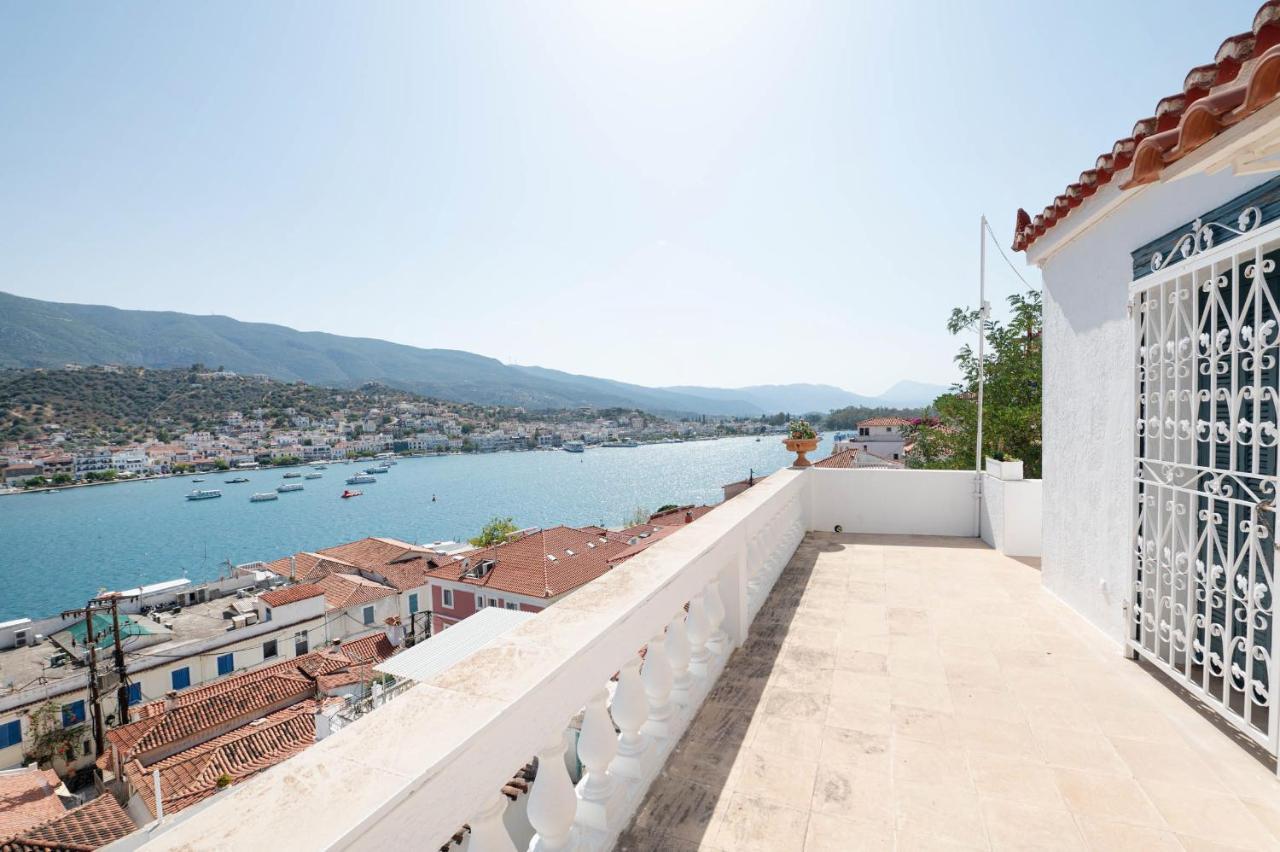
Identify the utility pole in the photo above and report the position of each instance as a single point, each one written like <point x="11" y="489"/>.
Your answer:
<point x="122" y="689"/>
<point x="983" y="312"/>
<point x="95" y="700"/>
<point x="98" y="720"/>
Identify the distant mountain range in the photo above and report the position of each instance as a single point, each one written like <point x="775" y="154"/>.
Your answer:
<point x="35" y="333"/>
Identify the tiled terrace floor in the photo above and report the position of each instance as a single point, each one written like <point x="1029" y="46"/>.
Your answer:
<point x="925" y="693"/>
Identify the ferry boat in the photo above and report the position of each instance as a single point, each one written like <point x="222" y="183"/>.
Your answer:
<point x="264" y="497"/>
<point x="204" y="494"/>
<point x="573" y="446"/>
<point x="236" y="480"/>
<point x="349" y="493"/>
<point x="360" y="479"/>
<point x="313" y="476"/>
<point x="285" y="489"/>
<point x="293" y="475"/>
<point x="379" y="469"/>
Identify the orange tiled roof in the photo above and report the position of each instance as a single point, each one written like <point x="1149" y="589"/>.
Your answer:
<point x="27" y="799"/>
<point x="399" y="564"/>
<point x="291" y="594"/>
<point x="659" y="527"/>
<point x="1243" y="78"/>
<point x="843" y="459"/>
<point x="522" y="566"/>
<point x="884" y="421"/>
<point x="87" y="827"/>
<point x="344" y="590"/>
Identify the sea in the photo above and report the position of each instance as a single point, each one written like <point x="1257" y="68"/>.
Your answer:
<point x="58" y="550"/>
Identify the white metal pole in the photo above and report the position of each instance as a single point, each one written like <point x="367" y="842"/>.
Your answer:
<point x="983" y="312"/>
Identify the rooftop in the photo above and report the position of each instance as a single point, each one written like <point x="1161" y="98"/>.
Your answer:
<point x="916" y="692"/>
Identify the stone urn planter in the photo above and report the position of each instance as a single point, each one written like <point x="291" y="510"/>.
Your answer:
<point x="800" y="446"/>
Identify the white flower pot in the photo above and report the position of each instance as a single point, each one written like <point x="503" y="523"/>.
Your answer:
<point x="1010" y="469"/>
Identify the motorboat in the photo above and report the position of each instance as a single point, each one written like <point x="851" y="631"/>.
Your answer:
<point x="204" y="494"/>
<point x="360" y="479"/>
<point x="293" y="475"/>
<point x="264" y="496"/>
<point x="313" y="476"/>
<point x="236" y="480"/>
<point x="349" y="493"/>
<point x="292" y="486"/>
<point x="378" y="469"/>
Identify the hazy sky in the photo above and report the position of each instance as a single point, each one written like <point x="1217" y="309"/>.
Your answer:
<point x="662" y="193"/>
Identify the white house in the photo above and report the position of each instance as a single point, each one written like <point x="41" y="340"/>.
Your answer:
<point x="1161" y="336"/>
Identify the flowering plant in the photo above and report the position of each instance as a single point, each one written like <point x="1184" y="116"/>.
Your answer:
<point x="801" y="430"/>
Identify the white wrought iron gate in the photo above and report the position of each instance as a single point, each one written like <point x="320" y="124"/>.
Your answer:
<point x="1206" y="344"/>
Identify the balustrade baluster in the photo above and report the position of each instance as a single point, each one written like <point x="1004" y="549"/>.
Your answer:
<point x="597" y="747"/>
<point x="552" y="801"/>
<point x="488" y="832"/>
<point x="657" y="679"/>
<point x="699" y="631"/>
<point x="715" y="617"/>
<point x="678" y="656"/>
<point x="630" y="710"/>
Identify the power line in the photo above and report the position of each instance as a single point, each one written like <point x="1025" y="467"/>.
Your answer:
<point x="1000" y="249"/>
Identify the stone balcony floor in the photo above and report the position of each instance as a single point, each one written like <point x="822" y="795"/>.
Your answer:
<point x="924" y="693"/>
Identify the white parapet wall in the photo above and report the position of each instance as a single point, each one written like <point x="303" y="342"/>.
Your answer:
<point x="1011" y="515"/>
<point x="900" y="502"/>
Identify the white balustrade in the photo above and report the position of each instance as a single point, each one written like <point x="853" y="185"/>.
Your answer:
<point x="714" y="605"/>
<point x="699" y="631"/>
<point x="488" y="833"/>
<point x="552" y="801"/>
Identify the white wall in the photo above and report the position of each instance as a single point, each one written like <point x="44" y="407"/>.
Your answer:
<point x="913" y="502"/>
<point x="1011" y="515"/>
<point x="1088" y="386"/>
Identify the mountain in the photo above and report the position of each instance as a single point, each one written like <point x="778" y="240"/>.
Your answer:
<point x="802" y="398"/>
<point x="35" y="333"/>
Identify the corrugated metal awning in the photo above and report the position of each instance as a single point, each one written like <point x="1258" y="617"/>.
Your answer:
<point x="449" y="647"/>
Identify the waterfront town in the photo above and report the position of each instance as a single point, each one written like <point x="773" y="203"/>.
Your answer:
<point x="46" y="453"/>
<point x="147" y="701"/>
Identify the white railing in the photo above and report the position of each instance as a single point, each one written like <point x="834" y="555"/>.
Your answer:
<point x="413" y="772"/>
<point x="418" y="768"/>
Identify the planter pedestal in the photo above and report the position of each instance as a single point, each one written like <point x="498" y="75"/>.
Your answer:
<point x="800" y="446"/>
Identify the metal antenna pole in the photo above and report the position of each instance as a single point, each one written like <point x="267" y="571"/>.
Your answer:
<point x="983" y="312"/>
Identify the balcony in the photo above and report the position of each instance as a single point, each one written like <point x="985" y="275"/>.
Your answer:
<point x="897" y="685"/>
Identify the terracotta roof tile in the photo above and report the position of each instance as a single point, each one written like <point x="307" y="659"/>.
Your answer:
<point x="1243" y="78"/>
<point x="27" y="799"/>
<point x="291" y="594"/>
<point x="89" y="826"/>
<point x="523" y="566"/>
<point x="344" y="590"/>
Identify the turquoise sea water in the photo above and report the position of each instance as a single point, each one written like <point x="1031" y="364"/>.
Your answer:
<point x="57" y="550"/>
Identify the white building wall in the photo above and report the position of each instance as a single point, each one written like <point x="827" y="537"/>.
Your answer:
<point x="880" y="500"/>
<point x="1089" y="381"/>
<point x="1011" y="515"/>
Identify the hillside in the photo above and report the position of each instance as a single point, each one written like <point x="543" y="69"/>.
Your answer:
<point x="35" y="333"/>
<point x="801" y="398"/>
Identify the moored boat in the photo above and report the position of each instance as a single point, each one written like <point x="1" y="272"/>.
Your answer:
<point x="349" y="493"/>
<point x="360" y="479"/>
<point x="313" y="476"/>
<point x="378" y="469"/>
<point x="264" y="497"/>
<point x="573" y="446"/>
<point x="285" y="489"/>
<point x="236" y="480"/>
<point x="293" y="474"/>
<point x="204" y="494"/>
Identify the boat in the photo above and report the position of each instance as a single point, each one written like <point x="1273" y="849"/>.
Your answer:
<point x="313" y="476"/>
<point x="573" y="446"/>
<point x="378" y="469"/>
<point x="319" y="466"/>
<point x="236" y="480"/>
<point x="349" y="493"/>
<point x="360" y="479"/>
<point x="293" y="475"/>
<point x="198" y="479"/>
<point x="204" y="494"/>
<point x="285" y="489"/>
<point x="264" y="497"/>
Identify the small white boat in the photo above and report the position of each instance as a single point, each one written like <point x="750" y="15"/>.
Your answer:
<point x="360" y="479"/>
<point x="379" y="469"/>
<point x="264" y="497"/>
<point x="293" y="475"/>
<point x="285" y="489"/>
<point x="313" y="476"/>
<point x="573" y="446"/>
<point x="204" y="494"/>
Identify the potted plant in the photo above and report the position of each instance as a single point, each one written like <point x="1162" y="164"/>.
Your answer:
<point x="801" y="439"/>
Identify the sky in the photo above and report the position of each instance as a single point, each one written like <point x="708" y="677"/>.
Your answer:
<point x="663" y="192"/>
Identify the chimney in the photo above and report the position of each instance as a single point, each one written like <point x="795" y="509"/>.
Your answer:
<point x="688" y="517"/>
<point x="394" y="631"/>
<point x="293" y="568"/>
<point x="169" y="698"/>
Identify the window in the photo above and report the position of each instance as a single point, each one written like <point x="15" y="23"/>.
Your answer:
<point x="180" y="678"/>
<point x="269" y="649"/>
<point x="135" y="693"/>
<point x="413" y="603"/>
<point x="300" y="643"/>
<point x="479" y="601"/>
<point x="511" y="605"/>
<point x="447" y="598"/>
<point x="266" y="613"/>
<point x="72" y="714"/>
<point x="226" y="664"/>
<point x="368" y="615"/>
<point x="10" y="733"/>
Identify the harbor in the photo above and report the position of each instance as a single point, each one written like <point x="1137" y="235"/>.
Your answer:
<point x="65" y="549"/>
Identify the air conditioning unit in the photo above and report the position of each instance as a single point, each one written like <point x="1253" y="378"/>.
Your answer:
<point x="37" y="639"/>
<point x="20" y="638"/>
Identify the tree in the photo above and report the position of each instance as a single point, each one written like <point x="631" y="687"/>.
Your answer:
<point x="1011" y="400"/>
<point x="496" y="531"/>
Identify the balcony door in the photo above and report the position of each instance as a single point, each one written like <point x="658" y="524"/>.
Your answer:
<point x="1206" y="343"/>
